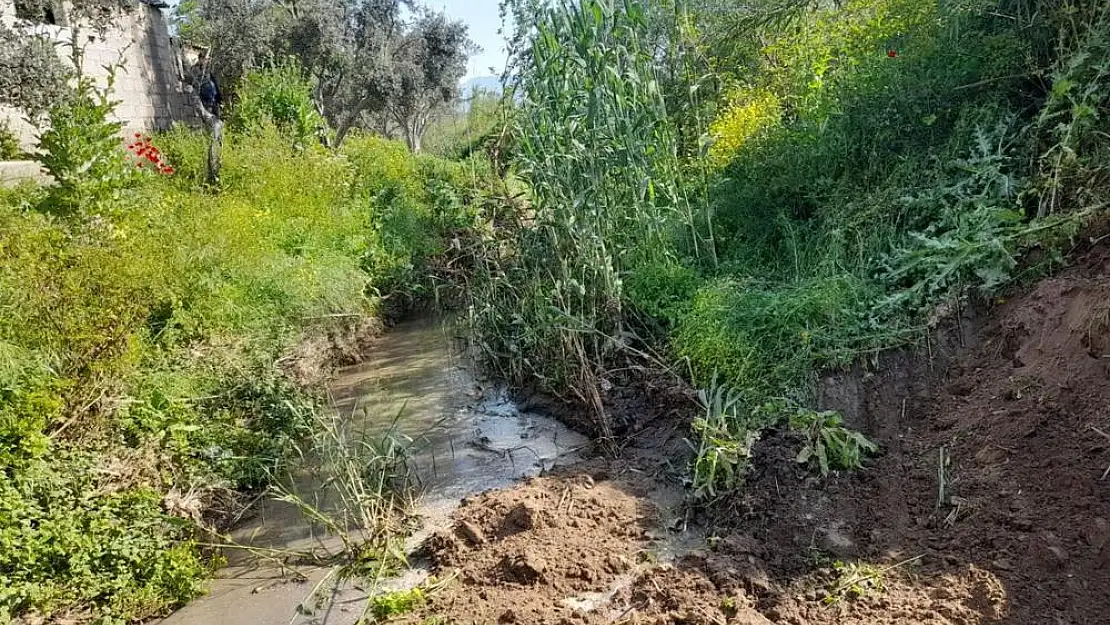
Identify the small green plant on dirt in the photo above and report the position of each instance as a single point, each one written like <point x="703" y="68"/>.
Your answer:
<point x="829" y="444"/>
<point x="389" y="605"/>
<point x="725" y="436"/>
<point x="9" y="143"/>
<point x="853" y="580"/>
<point x="730" y="606"/>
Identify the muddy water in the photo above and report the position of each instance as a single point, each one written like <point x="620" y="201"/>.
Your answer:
<point x="465" y="436"/>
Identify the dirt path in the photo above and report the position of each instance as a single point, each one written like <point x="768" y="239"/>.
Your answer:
<point x="1019" y="417"/>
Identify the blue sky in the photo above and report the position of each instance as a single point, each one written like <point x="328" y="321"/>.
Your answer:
<point x="484" y="22"/>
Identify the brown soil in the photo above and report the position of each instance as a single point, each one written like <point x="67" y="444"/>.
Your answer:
<point x="333" y="343"/>
<point x="1021" y="535"/>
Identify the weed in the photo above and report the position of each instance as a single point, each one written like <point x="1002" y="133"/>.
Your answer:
<point x="853" y="580"/>
<point x="828" y="444"/>
<point x="725" y="436"/>
<point x="389" y="605"/>
<point x="81" y="149"/>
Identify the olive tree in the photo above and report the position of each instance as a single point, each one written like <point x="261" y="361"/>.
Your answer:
<point x="432" y="60"/>
<point x="366" y="58"/>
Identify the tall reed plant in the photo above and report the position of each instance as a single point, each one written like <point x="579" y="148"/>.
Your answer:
<point x="600" y="161"/>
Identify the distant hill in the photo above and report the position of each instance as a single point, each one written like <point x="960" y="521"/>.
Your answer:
<point x="489" y="84"/>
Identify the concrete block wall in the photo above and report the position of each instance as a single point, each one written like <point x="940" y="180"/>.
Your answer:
<point x="147" y="84"/>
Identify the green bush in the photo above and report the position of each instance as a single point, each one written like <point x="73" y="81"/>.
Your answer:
<point x="82" y="150"/>
<point x="71" y="539"/>
<point x="280" y="96"/>
<point x="9" y="144"/>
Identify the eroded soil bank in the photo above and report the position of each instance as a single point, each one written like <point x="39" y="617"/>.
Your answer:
<point x="1013" y="423"/>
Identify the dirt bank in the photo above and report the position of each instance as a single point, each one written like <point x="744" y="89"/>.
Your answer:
<point x="987" y="505"/>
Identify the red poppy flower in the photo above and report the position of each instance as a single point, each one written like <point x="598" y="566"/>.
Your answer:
<point x="168" y="171"/>
<point x="892" y="53"/>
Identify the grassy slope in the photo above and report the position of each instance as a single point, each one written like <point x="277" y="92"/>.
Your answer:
<point x="867" y="161"/>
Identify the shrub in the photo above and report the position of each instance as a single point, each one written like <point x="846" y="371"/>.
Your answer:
<point x="279" y="96"/>
<point x="9" y="143"/>
<point x="70" y="539"/>
<point x="82" y="150"/>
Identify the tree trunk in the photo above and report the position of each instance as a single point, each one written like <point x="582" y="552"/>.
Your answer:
<point x="341" y="133"/>
<point x="215" y="146"/>
<point x="413" y="137"/>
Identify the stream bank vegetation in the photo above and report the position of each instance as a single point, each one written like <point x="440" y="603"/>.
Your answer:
<point x="766" y="191"/>
<point x="149" y="363"/>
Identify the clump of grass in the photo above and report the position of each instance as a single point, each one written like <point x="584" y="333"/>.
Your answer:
<point x="765" y="338"/>
<point x="361" y="490"/>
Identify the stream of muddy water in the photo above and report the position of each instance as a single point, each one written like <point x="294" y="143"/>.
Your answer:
<point x="466" y="437"/>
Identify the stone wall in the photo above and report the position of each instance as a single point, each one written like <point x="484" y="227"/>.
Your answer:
<point x="148" y="85"/>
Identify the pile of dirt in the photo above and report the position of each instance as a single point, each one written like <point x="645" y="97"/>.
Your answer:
<point x="523" y="554"/>
<point x="989" y="503"/>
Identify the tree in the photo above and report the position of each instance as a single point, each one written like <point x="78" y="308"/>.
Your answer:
<point x="358" y="74"/>
<point x="432" y="61"/>
<point x="363" y="57"/>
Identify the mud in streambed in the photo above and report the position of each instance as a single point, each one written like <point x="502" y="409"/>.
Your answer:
<point x="465" y="436"/>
